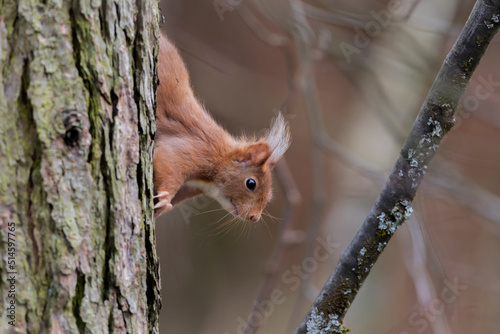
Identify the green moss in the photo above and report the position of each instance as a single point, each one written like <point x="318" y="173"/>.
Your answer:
<point x="467" y="66"/>
<point x="479" y="40"/>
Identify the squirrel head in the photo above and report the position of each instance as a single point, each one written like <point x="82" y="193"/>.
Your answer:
<point x="245" y="181"/>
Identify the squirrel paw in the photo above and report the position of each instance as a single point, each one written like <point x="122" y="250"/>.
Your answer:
<point x="163" y="204"/>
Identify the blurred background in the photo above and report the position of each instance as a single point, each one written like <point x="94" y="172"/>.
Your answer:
<point x="350" y="77"/>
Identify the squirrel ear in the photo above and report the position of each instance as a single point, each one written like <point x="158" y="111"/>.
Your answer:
<point x="278" y="139"/>
<point x="255" y="154"/>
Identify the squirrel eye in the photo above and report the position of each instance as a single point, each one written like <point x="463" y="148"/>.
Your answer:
<point x="251" y="184"/>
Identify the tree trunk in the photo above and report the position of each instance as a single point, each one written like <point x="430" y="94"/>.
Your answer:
<point x="77" y="101"/>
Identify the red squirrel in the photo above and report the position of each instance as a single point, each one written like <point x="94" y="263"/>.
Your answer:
<point x="194" y="155"/>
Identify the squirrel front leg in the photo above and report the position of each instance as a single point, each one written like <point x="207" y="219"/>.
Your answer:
<point x="167" y="181"/>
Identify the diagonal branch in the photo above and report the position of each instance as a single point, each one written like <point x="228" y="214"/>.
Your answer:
<point x="394" y="204"/>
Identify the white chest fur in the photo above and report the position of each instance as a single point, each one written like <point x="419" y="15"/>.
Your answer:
<point x="212" y="190"/>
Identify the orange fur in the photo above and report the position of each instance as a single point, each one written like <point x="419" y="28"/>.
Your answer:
<point x="194" y="155"/>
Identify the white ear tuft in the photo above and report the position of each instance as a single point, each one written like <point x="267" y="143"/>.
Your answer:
<point x="278" y="139"/>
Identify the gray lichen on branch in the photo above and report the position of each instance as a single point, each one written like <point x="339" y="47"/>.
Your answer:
<point x="321" y="323"/>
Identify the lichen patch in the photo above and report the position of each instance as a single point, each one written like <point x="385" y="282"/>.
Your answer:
<point x="321" y="323"/>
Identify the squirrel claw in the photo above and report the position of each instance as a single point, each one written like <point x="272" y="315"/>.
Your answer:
<point x="162" y="194"/>
<point x="164" y="203"/>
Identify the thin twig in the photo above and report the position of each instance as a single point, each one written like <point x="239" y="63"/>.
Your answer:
<point x="393" y="205"/>
<point x="413" y="6"/>
<point x="304" y="37"/>
<point x="415" y="260"/>
<point x="288" y="238"/>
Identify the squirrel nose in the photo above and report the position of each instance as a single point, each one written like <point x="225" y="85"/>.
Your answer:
<point x="255" y="216"/>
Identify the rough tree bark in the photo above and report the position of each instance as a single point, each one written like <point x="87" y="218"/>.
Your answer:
<point x="77" y="98"/>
